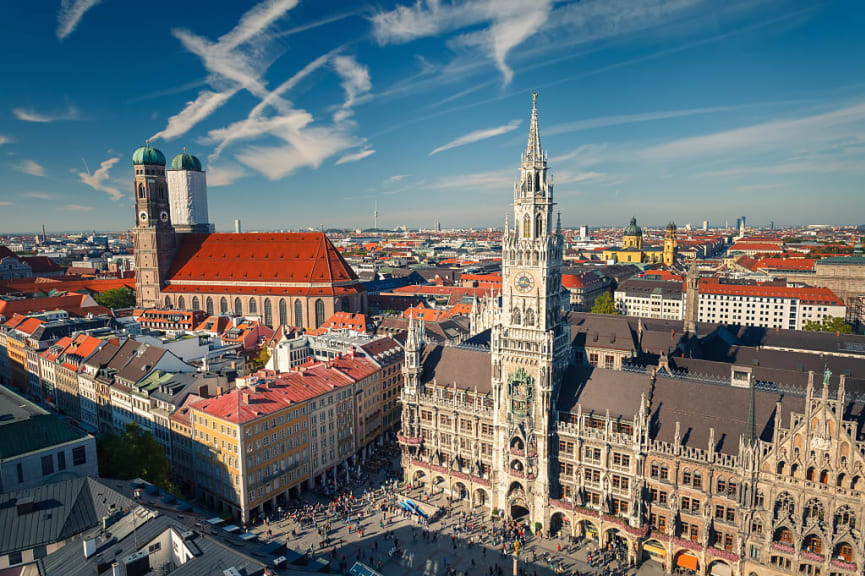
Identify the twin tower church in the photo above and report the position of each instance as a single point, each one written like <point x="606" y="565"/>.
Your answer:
<point x="296" y="279"/>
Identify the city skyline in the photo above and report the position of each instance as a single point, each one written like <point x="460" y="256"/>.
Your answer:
<point x="420" y="108"/>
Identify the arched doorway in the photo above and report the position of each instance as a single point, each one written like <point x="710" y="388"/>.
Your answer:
<point x="519" y="510"/>
<point x="480" y="497"/>
<point x="654" y="550"/>
<point x="616" y="540"/>
<point x="459" y="491"/>
<point x="419" y="478"/>
<point x="687" y="562"/>
<point x="720" y="568"/>
<point x="560" y="525"/>
<point x="438" y="484"/>
<point x="588" y="530"/>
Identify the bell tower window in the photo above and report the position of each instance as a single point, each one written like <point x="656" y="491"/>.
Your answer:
<point x="527" y="227"/>
<point x="539" y="225"/>
<point x="141" y="193"/>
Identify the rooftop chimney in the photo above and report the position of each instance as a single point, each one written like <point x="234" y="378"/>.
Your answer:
<point x="244" y="396"/>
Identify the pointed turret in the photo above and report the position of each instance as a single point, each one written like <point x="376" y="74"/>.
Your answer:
<point x="533" y="148"/>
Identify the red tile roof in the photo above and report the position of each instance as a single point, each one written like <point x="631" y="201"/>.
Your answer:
<point x="348" y="321"/>
<point x="755" y="247"/>
<point x="786" y="263"/>
<point x="806" y="294"/>
<point x="301" y="258"/>
<point x="32" y="305"/>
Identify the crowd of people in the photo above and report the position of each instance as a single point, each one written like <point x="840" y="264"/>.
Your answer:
<point x="374" y="526"/>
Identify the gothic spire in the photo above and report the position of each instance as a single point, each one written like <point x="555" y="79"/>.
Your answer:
<point x="533" y="148"/>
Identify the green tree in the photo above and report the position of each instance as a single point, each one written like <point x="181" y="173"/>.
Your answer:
<point x="134" y="454"/>
<point x="605" y="304"/>
<point x="116" y="298"/>
<point x="261" y="358"/>
<point x="829" y="324"/>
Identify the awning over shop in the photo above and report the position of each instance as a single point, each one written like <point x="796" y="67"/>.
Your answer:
<point x="655" y="551"/>
<point x="687" y="561"/>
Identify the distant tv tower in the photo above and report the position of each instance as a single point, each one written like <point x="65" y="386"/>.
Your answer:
<point x="44" y="237"/>
<point x="375" y="215"/>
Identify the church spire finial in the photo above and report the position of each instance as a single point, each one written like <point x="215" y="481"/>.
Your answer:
<point x="533" y="149"/>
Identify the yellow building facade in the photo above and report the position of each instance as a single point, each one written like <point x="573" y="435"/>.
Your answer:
<point x="632" y="250"/>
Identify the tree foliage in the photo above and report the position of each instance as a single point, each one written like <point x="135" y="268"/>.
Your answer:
<point x="134" y="454"/>
<point x="261" y="358"/>
<point x="604" y="304"/>
<point x="116" y="298"/>
<point x="829" y="324"/>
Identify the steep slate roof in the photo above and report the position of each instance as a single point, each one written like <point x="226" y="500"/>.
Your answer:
<point x="699" y="406"/>
<point x="598" y="390"/>
<point x="302" y="258"/>
<point x="211" y="559"/>
<point x="25" y="427"/>
<point x="469" y="368"/>
<point x="61" y="510"/>
<point x="601" y="331"/>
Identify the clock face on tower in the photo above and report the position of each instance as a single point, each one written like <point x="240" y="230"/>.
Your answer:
<point x="142" y="216"/>
<point x="524" y="282"/>
<point x="163" y="216"/>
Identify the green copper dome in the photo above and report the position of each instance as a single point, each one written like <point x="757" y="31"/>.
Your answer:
<point x="633" y="229"/>
<point x="148" y="155"/>
<point x="186" y="161"/>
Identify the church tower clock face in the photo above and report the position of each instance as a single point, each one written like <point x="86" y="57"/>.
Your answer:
<point x="524" y="282"/>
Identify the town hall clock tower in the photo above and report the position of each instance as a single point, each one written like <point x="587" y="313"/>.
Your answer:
<point x="530" y="341"/>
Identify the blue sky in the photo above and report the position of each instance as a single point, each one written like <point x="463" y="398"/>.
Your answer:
<point x="306" y="113"/>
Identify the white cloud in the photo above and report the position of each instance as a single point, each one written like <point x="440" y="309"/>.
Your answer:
<point x="5" y="140"/>
<point x="814" y="130"/>
<point x="70" y="14"/>
<point x="194" y="112"/>
<point x="39" y="195"/>
<point x="303" y="146"/>
<point x="224" y="175"/>
<point x="605" y="121"/>
<point x="510" y="23"/>
<point x="30" y="167"/>
<point x="354" y="157"/>
<point x="565" y="177"/>
<point x="495" y="179"/>
<point x="478" y="135"/>
<point x="6" y="203"/>
<point x="77" y="208"/>
<point x="355" y="81"/>
<point x="236" y="61"/>
<point x="32" y="115"/>
<point x="756" y="187"/>
<point x="98" y="180"/>
<point x="396" y="177"/>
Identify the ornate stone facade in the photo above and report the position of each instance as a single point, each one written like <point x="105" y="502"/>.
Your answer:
<point x="723" y="478"/>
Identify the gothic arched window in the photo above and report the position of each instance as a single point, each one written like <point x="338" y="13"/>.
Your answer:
<point x="515" y="316"/>
<point x="223" y="305"/>
<point x="539" y="226"/>
<point x="319" y="313"/>
<point x="530" y="317"/>
<point x="209" y="306"/>
<point x="253" y="309"/>
<point x="527" y="227"/>
<point x="268" y="313"/>
<point x="195" y="305"/>
<point x="168" y="302"/>
<point x="181" y="303"/>
<point x="283" y="312"/>
<point x="238" y="307"/>
<point x="298" y="314"/>
<point x="531" y="187"/>
<point x="141" y="193"/>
